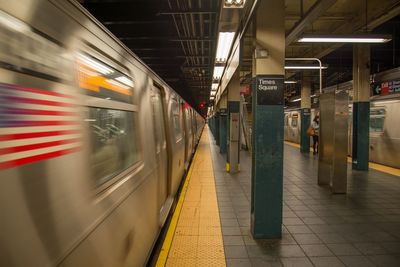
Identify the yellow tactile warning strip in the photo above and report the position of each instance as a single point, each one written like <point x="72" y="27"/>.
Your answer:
<point x="375" y="166"/>
<point x="194" y="237"/>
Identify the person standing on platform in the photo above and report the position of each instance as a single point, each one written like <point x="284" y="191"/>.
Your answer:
<point x="315" y="127"/>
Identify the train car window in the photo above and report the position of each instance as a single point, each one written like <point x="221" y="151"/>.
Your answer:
<point x="113" y="142"/>
<point x="177" y="119"/>
<point x="294" y="120"/>
<point x="286" y="120"/>
<point x="377" y="120"/>
<point x="26" y="50"/>
<point x="99" y="79"/>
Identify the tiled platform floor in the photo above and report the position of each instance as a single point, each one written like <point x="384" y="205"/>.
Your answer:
<point x="361" y="228"/>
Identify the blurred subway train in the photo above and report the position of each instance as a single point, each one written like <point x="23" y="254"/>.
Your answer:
<point x="93" y="144"/>
<point x="384" y="129"/>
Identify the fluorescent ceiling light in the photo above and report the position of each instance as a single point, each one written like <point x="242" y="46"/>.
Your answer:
<point x="296" y="99"/>
<point x="218" y="72"/>
<point x="214" y="86"/>
<point x="225" y="40"/>
<point x="211" y="98"/>
<point x="213" y="93"/>
<point x="304" y="67"/>
<point x="234" y="3"/>
<point x="287" y="82"/>
<point x="346" y="38"/>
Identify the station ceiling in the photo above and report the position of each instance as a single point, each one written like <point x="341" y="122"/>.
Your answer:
<point x="178" y="38"/>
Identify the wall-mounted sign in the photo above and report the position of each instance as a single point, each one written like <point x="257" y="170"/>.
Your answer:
<point x="386" y="87"/>
<point x="269" y="89"/>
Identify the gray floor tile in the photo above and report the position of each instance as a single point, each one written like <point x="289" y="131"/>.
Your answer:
<point x="326" y="262"/>
<point x="386" y="260"/>
<point x="235" y="252"/>
<point x="257" y="262"/>
<point x="256" y="251"/>
<point x="316" y="250"/>
<point x="330" y="238"/>
<point x="290" y="251"/>
<point x="298" y="229"/>
<point x="292" y="221"/>
<point x="231" y="231"/>
<point x="233" y="240"/>
<point x="356" y="261"/>
<point x="238" y="263"/>
<point x="296" y="262"/>
<point x="229" y="222"/>
<point x="307" y="239"/>
<point x="391" y="247"/>
<point x="370" y="248"/>
<point x="343" y="249"/>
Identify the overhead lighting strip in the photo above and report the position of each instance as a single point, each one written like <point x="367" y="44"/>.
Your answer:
<point x="347" y="38"/>
<point x="304" y="67"/>
<point x="225" y="40"/>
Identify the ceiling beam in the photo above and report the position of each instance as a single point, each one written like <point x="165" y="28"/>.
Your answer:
<point x="380" y="19"/>
<point x="312" y="14"/>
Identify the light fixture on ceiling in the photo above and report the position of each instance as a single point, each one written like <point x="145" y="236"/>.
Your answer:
<point x="290" y="82"/>
<point x="304" y="67"/>
<point x="296" y="99"/>
<point x="212" y="93"/>
<point x="225" y="40"/>
<point x="218" y="70"/>
<point x="214" y="86"/>
<point x="234" y="3"/>
<point x="345" y="38"/>
<point x="211" y="98"/>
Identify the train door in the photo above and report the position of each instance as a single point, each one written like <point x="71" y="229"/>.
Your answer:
<point x="188" y="133"/>
<point x="161" y="153"/>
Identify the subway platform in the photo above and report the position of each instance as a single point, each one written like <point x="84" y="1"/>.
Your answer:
<point x="212" y="228"/>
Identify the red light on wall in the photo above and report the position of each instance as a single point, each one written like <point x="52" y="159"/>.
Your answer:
<point x="202" y="105"/>
<point x="187" y="106"/>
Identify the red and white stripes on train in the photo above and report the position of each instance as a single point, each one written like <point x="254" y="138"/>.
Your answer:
<point x="35" y="125"/>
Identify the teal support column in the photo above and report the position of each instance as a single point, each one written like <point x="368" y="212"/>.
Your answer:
<point x="268" y="114"/>
<point x="305" y="115"/>
<point x="217" y="128"/>
<point x="361" y="107"/>
<point x="360" y="138"/>
<point x="222" y="131"/>
<point x="305" y="124"/>
<point x="211" y="124"/>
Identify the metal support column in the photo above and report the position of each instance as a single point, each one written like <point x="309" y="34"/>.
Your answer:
<point x="305" y="115"/>
<point x="361" y="96"/>
<point x="232" y="157"/>
<point x="267" y="156"/>
<point x="216" y="128"/>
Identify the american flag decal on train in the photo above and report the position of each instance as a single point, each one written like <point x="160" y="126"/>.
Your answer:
<point x="36" y="125"/>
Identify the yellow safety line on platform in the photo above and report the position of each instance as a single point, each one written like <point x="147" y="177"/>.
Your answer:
<point x="162" y="257"/>
<point x="195" y="237"/>
<point x="372" y="165"/>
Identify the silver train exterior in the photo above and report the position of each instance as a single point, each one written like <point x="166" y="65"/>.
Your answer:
<point x="93" y="144"/>
<point x="384" y="131"/>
